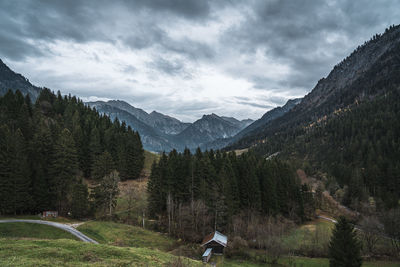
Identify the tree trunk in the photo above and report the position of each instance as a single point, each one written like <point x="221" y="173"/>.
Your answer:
<point x="110" y="204"/>
<point x="143" y="219"/>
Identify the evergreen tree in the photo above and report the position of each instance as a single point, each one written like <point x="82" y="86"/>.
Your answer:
<point x="103" y="165"/>
<point x="107" y="191"/>
<point x="5" y="170"/>
<point x="80" y="201"/>
<point x="43" y="148"/>
<point x="20" y="176"/>
<point x="64" y="168"/>
<point x="344" y="247"/>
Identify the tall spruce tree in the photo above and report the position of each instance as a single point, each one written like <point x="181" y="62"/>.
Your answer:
<point x="5" y="170"/>
<point x="80" y="201"/>
<point x="103" y="165"/>
<point x="344" y="247"/>
<point x="64" y="168"/>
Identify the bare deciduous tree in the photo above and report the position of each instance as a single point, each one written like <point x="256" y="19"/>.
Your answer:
<point x="371" y="228"/>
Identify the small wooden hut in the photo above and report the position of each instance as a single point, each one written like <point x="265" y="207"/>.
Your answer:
<point x="214" y="243"/>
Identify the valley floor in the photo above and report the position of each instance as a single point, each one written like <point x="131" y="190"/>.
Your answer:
<point x="124" y="245"/>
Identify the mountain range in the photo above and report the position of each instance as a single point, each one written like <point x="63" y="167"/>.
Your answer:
<point x="340" y="90"/>
<point x="160" y="132"/>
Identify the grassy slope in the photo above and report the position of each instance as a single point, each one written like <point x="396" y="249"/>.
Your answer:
<point x="126" y="235"/>
<point x="149" y="158"/>
<point x="30" y="230"/>
<point x="65" y="252"/>
<point x="305" y="235"/>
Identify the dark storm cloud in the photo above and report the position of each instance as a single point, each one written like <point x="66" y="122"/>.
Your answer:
<point x="24" y="22"/>
<point x="146" y="36"/>
<point x="244" y="40"/>
<point x="191" y="9"/>
<point x="310" y="36"/>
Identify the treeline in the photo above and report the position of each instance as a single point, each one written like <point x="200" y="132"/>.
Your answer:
<point x="359" y="147"/>
<point x="46" y="148"/>
<point x="193" y="194"/>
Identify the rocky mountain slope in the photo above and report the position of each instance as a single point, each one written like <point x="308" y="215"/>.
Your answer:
<point x="209" y="128"/>
<point x="151" y="138"/>
<point x="253" y="127"/>
<point x="11" y="80"/>
<point x="161" y="122"/>
<point x="345" y="85"/>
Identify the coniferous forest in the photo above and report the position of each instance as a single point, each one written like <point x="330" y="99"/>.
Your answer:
<point x="194" y="193"/>
<point x="48" y="147"/>
<point x="358" y="147"/>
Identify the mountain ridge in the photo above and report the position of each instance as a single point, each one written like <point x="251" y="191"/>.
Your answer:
<point x="168" y="132"/>
<point x="10" y="80"/>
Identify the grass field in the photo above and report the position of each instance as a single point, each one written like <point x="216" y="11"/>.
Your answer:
<point x="313" y="235"/>
<point x="30" y="230"/>
<point x="126" y="235"/>
<point x="65" y="252"/>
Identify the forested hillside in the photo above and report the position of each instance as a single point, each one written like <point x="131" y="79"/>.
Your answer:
<point x="48" y="147"/>
<point x="348" y="126"/>
<point x="192" y="194"/>
<point x="358" y="147"/>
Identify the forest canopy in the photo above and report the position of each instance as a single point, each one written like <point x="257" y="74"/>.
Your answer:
<point x="47" y="148"/>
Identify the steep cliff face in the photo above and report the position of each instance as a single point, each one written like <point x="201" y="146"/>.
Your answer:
<point x="10" y="80"/>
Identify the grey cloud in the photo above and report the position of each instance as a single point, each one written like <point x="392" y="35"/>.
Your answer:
<point x="300" y="35"/>
<point x="275" y="99"/>
<point x="172" y="67"/>
<point x="129" y="69"/>
<point x="191" y="9"/>
<point x="255" y="104"/>
<point x="297" y="33"/>
<point x="84" y="21"/>
<point x="193" y="50"/>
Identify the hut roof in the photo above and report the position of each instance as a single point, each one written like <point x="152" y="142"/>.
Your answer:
<point x="217" y="237"/>
<point x="207" y="252"/>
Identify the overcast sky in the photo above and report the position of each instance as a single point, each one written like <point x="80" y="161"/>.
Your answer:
<point x="186" y="58"/>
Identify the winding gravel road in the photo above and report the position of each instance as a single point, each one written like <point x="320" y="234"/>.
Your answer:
<point x="64" y="227"/>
